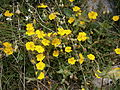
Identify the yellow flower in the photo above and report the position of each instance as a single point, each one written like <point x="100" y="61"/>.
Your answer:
<point x="82" y="22"/>
<point x="83" y="89"/>
<point x="40" y="66"/>
<point x="71" y="0"/>
<point x="71" y="19"/>
<point x="42" y="6"/>
<point x="55" y="53"/>
<point x="67" y="32"/>
<point x="8" y="14"/>
<point x="30" y="46"/>
<point x="71" y="60"/>
<point x="41" y="76"/>
<point x="29" y="25"/>
<point x="61" y="31"/>
<point x="78" y="13"/>
<point x="99" y="71"/>
<point x="7" y="44"/>
<point x="30" y="29"/>
<point x="30" y="32"/>
<point x="91" y="57"/>
<point x="115" y="18"/>
<point x="40" y="34"/>
<point x="45" y="42"/>
<point x="92" y="15"/>
<point x="40" y="57"/>
<point x="8" y="50"/>
<point x="49" y="34"/>
<point x="52" y="16"/>
<point x="97" y="76"/>
<point x="117" y="50"/>
<point x="32" y="61"/>
<point x="68" y="49"/>
<point x="81" y="56"/>
<point x="81" y="60"/>
<point x="56" y="42"/>
<point x="76" y="8"/>
<point x="82" y="36"/>
<point x="54" y="34"/>
<point x="39" y="49"/>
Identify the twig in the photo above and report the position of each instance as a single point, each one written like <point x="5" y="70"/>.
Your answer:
<point x="24" y="73"/>
<point x="40" y="18"/>
<point x="43" y="85"/>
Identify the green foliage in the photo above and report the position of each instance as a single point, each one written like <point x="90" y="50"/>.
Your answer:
<point x="18" y="71"/>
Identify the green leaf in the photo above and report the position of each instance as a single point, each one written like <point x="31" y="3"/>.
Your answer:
<point x="89" y="41"/>
<point x="105" y="25"/>
<point x="54" y="87"/>
<point x="22" y="31"/>
<point x="75" y="23"/>
<point x="60" y="71"/>
<point x="67" y="12"/>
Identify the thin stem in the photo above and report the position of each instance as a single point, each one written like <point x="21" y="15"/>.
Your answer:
<point x="40" y="18"/>
<point x="1" y="68"/>
<point x="24" y="73"/>
<point x="62" y="14"/>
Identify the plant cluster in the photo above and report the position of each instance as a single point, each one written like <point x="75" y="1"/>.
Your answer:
<point x="66" y="43"/>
